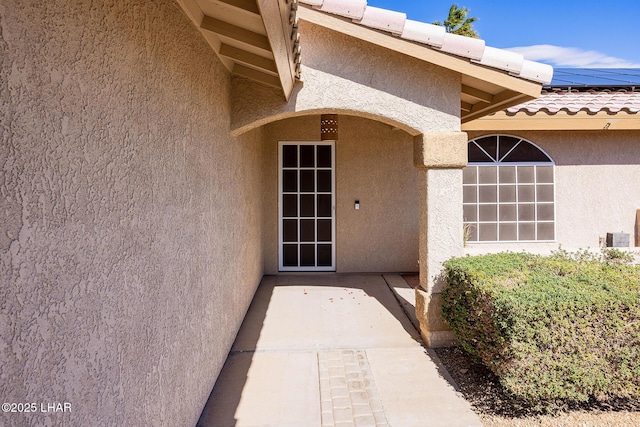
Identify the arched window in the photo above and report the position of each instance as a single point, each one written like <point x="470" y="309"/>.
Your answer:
<point x="509" y="193"/>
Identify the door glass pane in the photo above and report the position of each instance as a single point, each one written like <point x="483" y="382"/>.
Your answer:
<point x="290" y="255"/>
<point x="289" y="205"/>
<point x="289" y="181"/>
<point x="324" y="156"/>
<point x="307" y="181"/>
<point x="307" y="255"/>
<point x="307" y="159"/>
<point x="290" y="156"/>
<point x="324" y="181"/>
<point x="324" y="255"/>
<point x="307" y="205"/>
<point x="324" y="230"/>
<point x="324" y="205"/>
<point x="307" y="230"/>
<point x="290" y="230"/>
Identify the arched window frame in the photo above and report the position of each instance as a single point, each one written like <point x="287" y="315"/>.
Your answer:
<point x="505" y="200"/>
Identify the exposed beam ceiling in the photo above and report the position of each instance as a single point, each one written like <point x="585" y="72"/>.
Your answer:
<point x="233" y="32"/>
<point x="255" y="39"/>
<point x="248" y="5"/>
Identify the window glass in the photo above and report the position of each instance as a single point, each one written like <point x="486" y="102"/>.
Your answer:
<point x="469" y="194"/>
<point x="487" y="194"/>
<point x="470" y="175"/>
<point x="507" y="145"/>
<point x="507" y="174"/>
<point x="508" y="191"/>
<point x="477" y="155"/>
<point x="487" y="175"/>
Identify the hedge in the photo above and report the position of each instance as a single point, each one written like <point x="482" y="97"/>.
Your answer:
<point x="560" y="328"/>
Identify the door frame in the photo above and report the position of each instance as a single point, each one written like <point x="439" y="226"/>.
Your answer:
<point x="281" y="266"/>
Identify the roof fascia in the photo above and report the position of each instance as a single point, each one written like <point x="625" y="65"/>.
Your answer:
<point x="276" y="19"/>
<point x="558" y="121"/>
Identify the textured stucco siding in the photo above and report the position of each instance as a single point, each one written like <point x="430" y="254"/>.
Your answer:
<point x="130" y="237"/>
<point x="342" y="74"/>
<point x="374" y="164"/>
<point x="597" y="176"/>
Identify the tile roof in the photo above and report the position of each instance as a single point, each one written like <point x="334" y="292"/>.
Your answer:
<point x="435" y="37"/>
<point x="594" y="101"/>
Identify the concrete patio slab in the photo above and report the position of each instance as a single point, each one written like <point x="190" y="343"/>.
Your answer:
<point x="274" y="389"/>
<point x="332" y="350"/>
<point x="325" y="311"/>
<point x="414" y="392"/>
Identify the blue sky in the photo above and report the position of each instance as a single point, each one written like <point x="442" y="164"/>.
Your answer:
<point x="563" y="33"/>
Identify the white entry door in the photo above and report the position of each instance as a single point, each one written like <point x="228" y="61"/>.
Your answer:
<point x="306" y="205"/>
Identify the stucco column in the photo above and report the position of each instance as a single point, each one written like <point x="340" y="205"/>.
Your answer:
<point x="440" y="157"/>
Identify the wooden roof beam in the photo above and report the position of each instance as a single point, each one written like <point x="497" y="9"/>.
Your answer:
<point x="501" y="101"/>
<point x="246" y="5"/>
<point x="477" y="94"/>
<point x="248" y="58"/>
<point x="236" y="33"/>
<point x="466" y="106"/>
<point x="256" y="75"/>
<point x="277" y="16"/>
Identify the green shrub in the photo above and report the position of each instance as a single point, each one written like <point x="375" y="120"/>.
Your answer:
<point x="563" y="327"/>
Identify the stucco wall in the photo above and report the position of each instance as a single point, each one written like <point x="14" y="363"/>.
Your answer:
<point x="342" y="74"/>
<point x="130" y="238"/>
<point x="374" y="164"/>
<point x="597" y="176"/>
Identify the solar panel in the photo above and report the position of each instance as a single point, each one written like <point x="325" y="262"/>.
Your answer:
<point x="595" y="77"/>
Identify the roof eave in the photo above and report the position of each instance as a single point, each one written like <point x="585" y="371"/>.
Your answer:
<point x="271" y="59"/>
<point x="560" y="121"/>
<point x="509" y="90"/>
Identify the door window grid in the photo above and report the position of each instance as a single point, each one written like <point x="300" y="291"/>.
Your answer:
<point x="307" y="229"/>
<point x="508" y="201"/>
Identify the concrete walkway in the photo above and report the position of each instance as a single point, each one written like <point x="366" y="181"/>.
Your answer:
<point x="333" y="350"/>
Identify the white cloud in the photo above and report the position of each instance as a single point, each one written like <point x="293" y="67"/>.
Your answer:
<point x="571" y="57"/>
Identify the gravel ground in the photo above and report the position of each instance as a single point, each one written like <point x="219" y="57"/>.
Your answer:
<point x="481" y="388"/>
